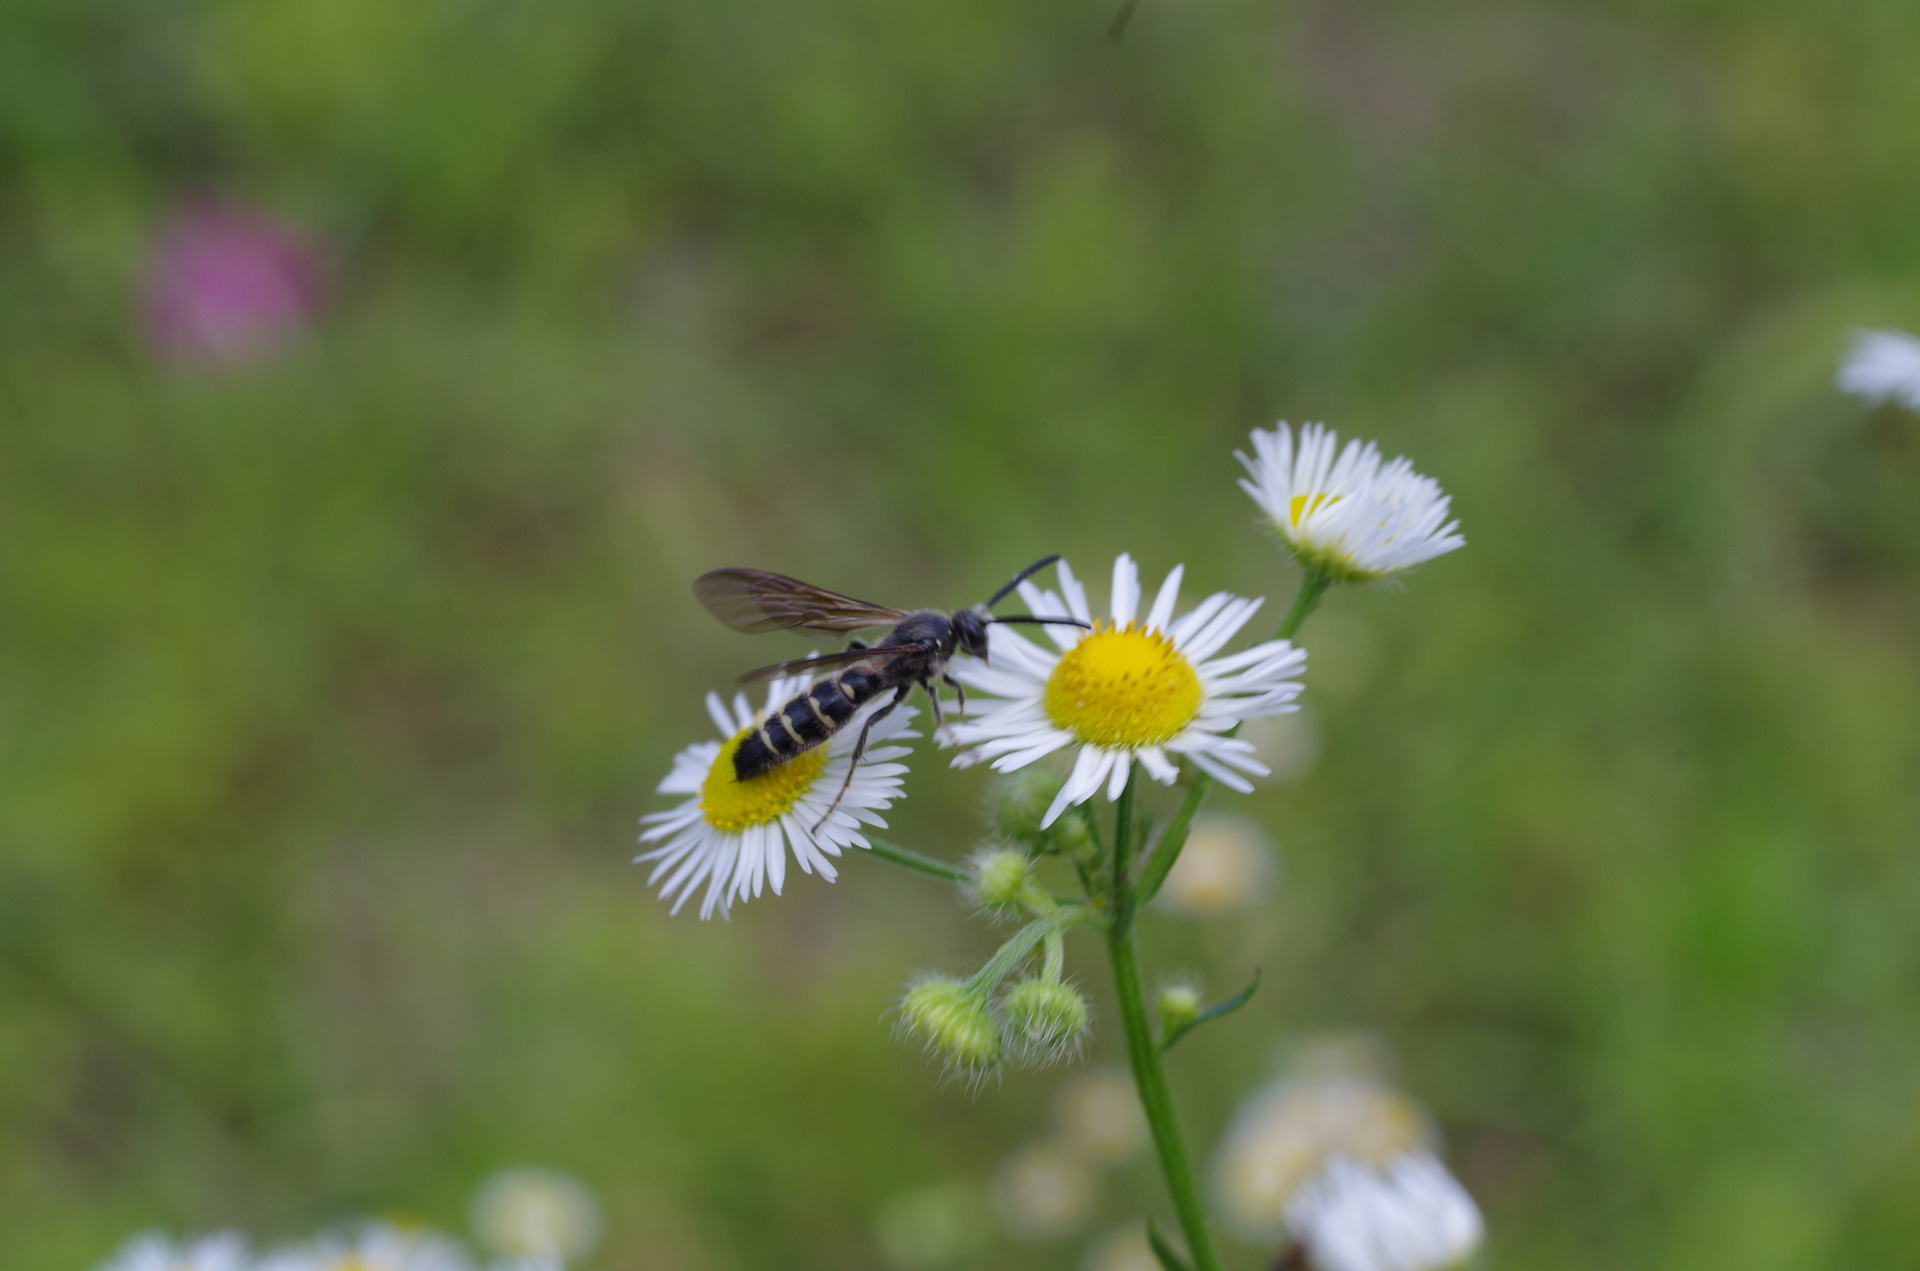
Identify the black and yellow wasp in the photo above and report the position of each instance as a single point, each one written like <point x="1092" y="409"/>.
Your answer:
<point x="915" y="650"/>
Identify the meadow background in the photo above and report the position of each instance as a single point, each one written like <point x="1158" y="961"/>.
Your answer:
<point x="331" y="686"/>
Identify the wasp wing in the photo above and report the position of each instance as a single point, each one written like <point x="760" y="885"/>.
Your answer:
<point x="822" y="661"/>
<point x="755" y="600"/>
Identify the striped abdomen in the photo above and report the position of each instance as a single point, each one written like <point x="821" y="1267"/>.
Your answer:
<point x="805" y="722"/>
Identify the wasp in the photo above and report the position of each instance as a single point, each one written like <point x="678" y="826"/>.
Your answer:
<point x="915" y="650"/>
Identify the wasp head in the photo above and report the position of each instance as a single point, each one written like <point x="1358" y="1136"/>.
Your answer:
<point x="970" y="628"/>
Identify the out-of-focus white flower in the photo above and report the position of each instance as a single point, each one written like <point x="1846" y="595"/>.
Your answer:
<point x="1286" y="1131"/>
<point x="1043" y="1193"/>
<point x="1129" y="689"/>
<point x="1288" y="744"/>
<point x="1403" y="1214"/>
<point x="1123" y="1250"/>
<point x="1882" y="366"/>
<point x="377" y="1246"/>
<point x="152" y="1251"/>
<point x="1343" y="511"/>
<point x="734" y="835"/>
<point x="533" y="1213"/>
<point x="1098" y="1117"/>
<point x="1226" y="865"/>
<point x="929" y="1226"/>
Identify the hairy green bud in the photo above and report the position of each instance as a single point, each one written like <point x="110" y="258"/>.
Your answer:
<point x="1048" y="1018"/>
<point x="1177" y="1006"/>
<point x="953" y="1022"/>
<point x="1019" y="803"/>
<point x="1070" y="835"/>
<point x="1002" y="879"/>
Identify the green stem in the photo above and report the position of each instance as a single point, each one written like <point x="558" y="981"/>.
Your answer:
<point x="1122" y="854"/>
<point x="1020" y="944"/>
<point x="1055" y="962"/>
<point x="1313" y="585"/>
<point x="1148" y="1074"/>
<point x="1167" y="850"/>
<point x="914" y="861"/>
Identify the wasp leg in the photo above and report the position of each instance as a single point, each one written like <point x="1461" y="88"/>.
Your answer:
<point x="958" y="688"/>
<point x="860" y="748"/>
<point x="939" y="720"/>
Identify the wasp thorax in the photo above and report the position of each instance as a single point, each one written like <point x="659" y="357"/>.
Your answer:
<point x="1123" y="687"/>
<point x="728" y="803"/>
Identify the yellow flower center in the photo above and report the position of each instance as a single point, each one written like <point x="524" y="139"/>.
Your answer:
<point x="729" y="803"/>
<point x="1302" y="504"/>
<point x="1123" y="687"/>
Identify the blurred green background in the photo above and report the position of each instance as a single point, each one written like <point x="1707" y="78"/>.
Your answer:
<point x="331" y="686"/>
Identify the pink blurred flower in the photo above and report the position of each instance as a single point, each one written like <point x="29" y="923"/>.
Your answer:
<point x="227" y="285"/>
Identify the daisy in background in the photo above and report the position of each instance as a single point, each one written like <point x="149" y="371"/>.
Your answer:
<point x="1882" y="366"/>
<point x="1129" y="689"/>
<point x="376" y="1246"/>
<point x="1341" y="510"/>
<point x="152" y="1251"/>
<point x="734" y="835"/>
<point x="1334" y="1155"/>
<point x="536" y="1217"/>
<point x="1405" y="1214"/>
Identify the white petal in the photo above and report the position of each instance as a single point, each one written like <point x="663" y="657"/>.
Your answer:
<point x="1162" y="612"/>
<point x="1076" y="594"/>
<point x="1126" y="589"/>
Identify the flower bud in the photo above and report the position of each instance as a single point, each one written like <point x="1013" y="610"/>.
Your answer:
<point x="1178" y="1006"/>
<point x="1021" y="801"/>
<point x="1070" y="836"/>
<point x="1048" y="1018"/>
<point x="953" y="1023"/>
<point x="1001" y="878"/>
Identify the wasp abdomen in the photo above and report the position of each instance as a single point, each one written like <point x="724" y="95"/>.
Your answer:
<point x="804" y="722"/>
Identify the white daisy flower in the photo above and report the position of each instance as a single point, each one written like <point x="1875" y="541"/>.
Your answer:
<point x="1346" y="513"/>
<point x="1882" y="366"/>
<point x="1128" y="689"/>
<point x="152" y="1251"/>
<point x="535" y="1214"/>
<point x="734" y="835"/>
<point x="1285" y="1132"/>
<point x="1407" y="1214"/>
<point x="377" y="1246"/>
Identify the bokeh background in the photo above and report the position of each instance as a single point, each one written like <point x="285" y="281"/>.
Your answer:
<point x="336" y="664"/>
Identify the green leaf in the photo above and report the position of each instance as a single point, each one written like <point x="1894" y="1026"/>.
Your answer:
<point x="1169" y="1257"/>
<point x="1215" y="1011"/>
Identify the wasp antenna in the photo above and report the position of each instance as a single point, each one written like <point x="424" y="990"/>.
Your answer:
<point x="1021" y="577"/>
<point x="1043" y="622"/>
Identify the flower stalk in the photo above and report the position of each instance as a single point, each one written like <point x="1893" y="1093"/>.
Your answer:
<point x="1143" y="1050"/>
<point x="1143" y="1053"/>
